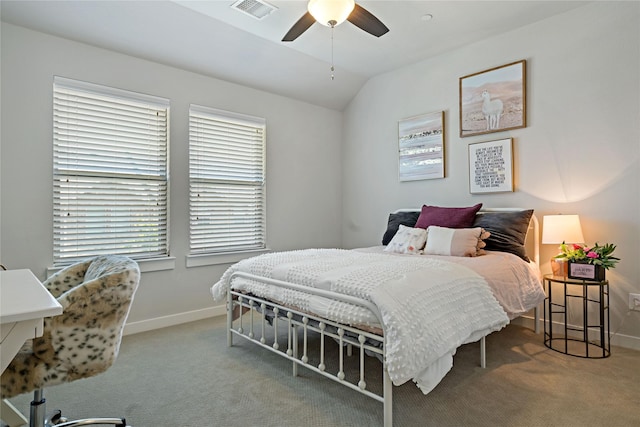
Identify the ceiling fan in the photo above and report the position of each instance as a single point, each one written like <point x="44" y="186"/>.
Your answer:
<point x="334" y="12"/>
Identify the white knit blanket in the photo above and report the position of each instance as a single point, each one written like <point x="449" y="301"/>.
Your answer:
<point x="429" y="306"/>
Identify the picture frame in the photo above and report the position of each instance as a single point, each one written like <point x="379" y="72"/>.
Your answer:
<point x="583" y="271"/>
<point x="421" y="147"/>
<point x="491" y="166"/>
<point x="494" y="100"/>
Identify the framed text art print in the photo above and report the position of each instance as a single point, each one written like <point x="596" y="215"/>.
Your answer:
<point x="421" y="147"/>
<point x="491" y="166"/>
<point x="493" y="100"/>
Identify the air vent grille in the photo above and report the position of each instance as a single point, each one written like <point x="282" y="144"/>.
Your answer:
<point x="257" y="9"/>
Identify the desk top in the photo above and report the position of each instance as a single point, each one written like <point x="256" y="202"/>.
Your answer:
<point x="22" y="297"/>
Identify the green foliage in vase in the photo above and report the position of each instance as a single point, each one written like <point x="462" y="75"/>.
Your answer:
<point x="596" y="255"/>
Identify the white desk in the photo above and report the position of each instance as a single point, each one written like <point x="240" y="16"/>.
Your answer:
<point x="24" y="303"/>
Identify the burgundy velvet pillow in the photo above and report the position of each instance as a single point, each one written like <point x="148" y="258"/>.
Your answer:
<point x="447" y="217"/>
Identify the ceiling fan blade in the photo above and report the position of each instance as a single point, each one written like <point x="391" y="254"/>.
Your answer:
<point x="363" y="19"/>
<point x="299" y="27"/>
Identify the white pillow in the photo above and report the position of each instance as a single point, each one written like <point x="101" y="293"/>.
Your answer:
<point x="408" y="240"/>
<point x="455" y="241"/>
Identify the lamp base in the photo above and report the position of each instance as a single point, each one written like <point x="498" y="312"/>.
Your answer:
<point x="559" y="267"/>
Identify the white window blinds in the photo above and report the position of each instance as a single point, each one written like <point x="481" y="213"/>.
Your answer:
<point x="227" y="181"/>
<point x="110" y="156"/>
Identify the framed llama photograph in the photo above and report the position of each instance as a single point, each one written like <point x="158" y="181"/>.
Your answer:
<point x="493" y="100"/>
<point x="491" y="166"/>
<point x="421" y="147"/>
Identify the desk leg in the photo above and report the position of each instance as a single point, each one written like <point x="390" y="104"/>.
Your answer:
<point x="11" y="416"/>
<point x="14" y="336"/>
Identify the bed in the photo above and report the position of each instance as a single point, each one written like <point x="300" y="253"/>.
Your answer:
<point x="443" y="277"/>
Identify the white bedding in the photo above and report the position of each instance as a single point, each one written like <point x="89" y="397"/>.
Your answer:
<point x="517" y="285"/>
<point x="457" y="298"/>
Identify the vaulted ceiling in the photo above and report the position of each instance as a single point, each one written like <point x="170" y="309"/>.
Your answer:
<point x="212" y="38"/>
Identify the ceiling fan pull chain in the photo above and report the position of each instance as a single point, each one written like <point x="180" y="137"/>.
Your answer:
<point x="332" y="67"/>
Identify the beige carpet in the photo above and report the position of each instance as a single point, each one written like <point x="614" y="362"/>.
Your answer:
<point x="186" y="376"/>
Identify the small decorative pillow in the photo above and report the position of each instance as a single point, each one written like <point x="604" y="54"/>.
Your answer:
<point x="407" y="240"/>
<point x="455" y="241"/>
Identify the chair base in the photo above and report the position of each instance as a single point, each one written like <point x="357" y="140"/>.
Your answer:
<point x="37" y="418"/>
<point x="117" y="422"/>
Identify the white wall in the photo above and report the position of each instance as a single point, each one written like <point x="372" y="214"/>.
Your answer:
<point x="580" y="151"/>
<point x="303" y="160"/>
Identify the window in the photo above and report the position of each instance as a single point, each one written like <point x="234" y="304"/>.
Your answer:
<point x="110" y="176"/>
<point x="227" y="181"/>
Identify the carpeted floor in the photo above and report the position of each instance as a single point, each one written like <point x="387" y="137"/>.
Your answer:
<point x="186" y="376"/>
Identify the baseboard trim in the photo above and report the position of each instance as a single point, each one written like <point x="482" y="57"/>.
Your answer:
<point x="527" y="322"/>
<point x="172" y="320"/>
<point x="620" y="340"/>
<point x="626" y="341"/>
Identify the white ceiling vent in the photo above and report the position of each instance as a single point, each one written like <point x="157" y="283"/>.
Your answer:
<point x="256" y="8"/>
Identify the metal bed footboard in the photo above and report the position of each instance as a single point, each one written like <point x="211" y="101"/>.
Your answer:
<point x="299" y="325"/>
<point x="296" y="322"/>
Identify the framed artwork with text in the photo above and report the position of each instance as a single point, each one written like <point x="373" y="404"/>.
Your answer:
<point x="491" y="166"/>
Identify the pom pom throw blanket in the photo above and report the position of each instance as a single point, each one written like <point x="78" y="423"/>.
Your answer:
<point x="429" y="306"/>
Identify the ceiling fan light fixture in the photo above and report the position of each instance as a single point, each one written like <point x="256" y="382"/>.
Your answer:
<point x="330" y="12"/>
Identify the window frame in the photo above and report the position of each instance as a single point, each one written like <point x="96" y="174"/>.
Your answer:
<point x="158" y="259"/>
<point x="225" y="254"/>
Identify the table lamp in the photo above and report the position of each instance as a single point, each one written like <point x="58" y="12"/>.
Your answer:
<point x="558" y="229"/>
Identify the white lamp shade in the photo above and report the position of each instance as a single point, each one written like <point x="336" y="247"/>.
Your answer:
<point x="557" y="229"/>
<point x="325" y="11"/>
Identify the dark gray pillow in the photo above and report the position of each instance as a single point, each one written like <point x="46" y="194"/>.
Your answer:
<point x="508" y="231"/>
<point x="408" y="219"/>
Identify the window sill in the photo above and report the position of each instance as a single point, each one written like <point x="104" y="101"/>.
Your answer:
<point x="222" y="258"/>
<point x="156" y="264"/>
<point x="146" y="265"/>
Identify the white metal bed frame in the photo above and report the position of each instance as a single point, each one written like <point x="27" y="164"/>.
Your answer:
<point x="347" y="336"/>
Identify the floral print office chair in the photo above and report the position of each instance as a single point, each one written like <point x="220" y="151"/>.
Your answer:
<point x="83" y="341"/>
